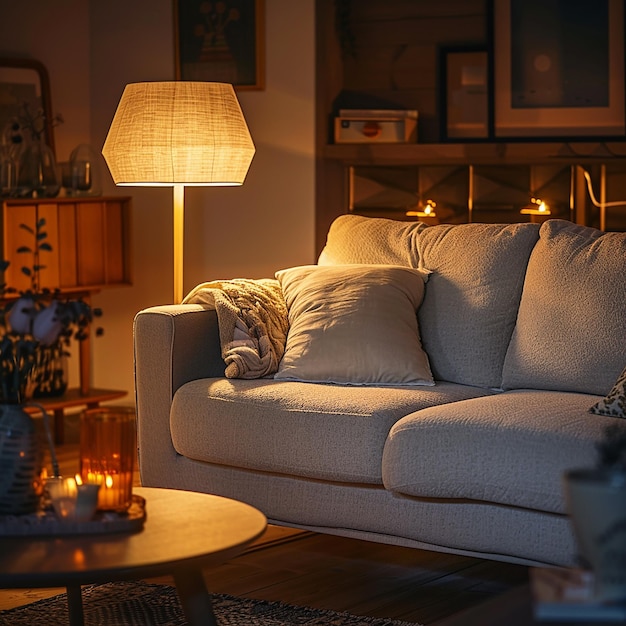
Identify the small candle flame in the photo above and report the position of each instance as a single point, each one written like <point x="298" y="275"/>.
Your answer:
<point x="427" y="211"/>
<point x="536" y="207"/>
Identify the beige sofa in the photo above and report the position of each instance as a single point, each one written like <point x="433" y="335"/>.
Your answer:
<point x="524" y="328"/>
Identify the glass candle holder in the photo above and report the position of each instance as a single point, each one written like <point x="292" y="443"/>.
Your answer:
<point x="72" y="501"/>
<point x="107" y="454"/>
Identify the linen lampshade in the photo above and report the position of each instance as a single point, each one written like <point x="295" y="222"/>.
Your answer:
<point x="190" y="133"/>
<point x="178" y="133"/>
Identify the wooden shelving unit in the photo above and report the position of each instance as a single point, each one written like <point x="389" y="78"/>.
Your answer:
<point x="374" y="53"/>
<point x="90" y="240"/>
<point x="511" y="153"/>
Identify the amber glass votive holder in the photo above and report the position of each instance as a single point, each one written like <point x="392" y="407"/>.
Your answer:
<point x="107" y="454"/>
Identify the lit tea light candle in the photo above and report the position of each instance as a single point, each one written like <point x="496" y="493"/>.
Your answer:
<point x="86" y="499"/>
<point x="536" y="207"/>
<point x="62" y="493"/>
<point x="426" y="211"/>
<point x="115" y="489"/>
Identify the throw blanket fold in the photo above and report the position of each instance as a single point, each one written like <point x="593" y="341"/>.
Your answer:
<point x="253" y="323"/>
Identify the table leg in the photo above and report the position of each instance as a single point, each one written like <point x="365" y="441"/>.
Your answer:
<point x="75" y="605"/>
<point x="194" y="597"/>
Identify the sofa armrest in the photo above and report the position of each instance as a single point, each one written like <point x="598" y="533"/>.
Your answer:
<point x="173" y="344"/>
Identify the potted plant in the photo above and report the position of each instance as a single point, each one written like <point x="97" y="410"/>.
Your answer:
<point x="596" y="502"/>
<point x="33" y="324"/>
<point x="40" y="323"/>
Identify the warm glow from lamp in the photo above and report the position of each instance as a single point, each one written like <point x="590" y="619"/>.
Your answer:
<point x="537" y="207"/>
<point x="426" y="211"/>
<point x="174" y="134"/>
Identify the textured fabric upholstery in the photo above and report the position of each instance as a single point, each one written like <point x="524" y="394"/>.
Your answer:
<point x="571" y="326"/>
<point x="339" y="330"/>
<point x="471" y="298"/>
<point x="357" y="239"/>
<point x="514" y="448"/>
<point x="477" y="529"/>
<point x="461" y="468"/>
<point x="327" y="432"/>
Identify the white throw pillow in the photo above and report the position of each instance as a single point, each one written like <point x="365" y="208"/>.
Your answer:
<point x="354" y="325"/>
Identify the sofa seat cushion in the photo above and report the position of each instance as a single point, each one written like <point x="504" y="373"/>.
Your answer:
<point x="571" y="326"/>
<point x="470" y="304"/>
<point x="325" y="432"/>
<point x="511" y="448"/>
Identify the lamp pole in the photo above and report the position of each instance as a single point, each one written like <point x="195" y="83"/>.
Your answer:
<point x="179" y="236"/>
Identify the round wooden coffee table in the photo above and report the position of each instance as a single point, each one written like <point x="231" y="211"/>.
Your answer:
<point x="184" y="532"/>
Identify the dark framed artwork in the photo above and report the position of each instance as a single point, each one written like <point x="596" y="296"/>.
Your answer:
<point x="25" y="82"/>
<point x="220" y="42"/>
<point x="558" y="68"/>
<point x="465" y="97"/>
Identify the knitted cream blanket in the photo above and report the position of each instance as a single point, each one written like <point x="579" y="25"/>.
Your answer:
<point x="253" y="323"/>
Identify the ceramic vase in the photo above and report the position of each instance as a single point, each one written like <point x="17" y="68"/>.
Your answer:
<point x="596" y="502"/>
<point x="21" y="455"/>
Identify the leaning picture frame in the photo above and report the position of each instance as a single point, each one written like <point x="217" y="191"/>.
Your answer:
<point x="25" y="82"/>
<point x="557" y="71"/>
<point x="465" y="93"/>
<point x="220" y="42"/>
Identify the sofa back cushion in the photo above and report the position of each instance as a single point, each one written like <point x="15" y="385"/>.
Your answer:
<point x="358" y="239"/>
<point x="571" y="328"/>
<point x="471" y="298"/>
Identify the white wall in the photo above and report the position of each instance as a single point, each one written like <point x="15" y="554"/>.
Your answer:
<point x="92" y="50"/>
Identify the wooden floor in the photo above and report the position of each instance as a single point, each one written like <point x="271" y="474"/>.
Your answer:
<point x="323" y="571"/>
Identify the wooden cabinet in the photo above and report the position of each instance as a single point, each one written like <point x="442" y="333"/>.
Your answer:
<point x="89" y="237"/>
<point x="90" y="241"/>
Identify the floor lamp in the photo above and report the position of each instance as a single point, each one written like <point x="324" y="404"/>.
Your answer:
<point x="178" y="134"/>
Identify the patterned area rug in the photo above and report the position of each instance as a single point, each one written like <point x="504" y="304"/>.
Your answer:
<point x="142" y="604"/>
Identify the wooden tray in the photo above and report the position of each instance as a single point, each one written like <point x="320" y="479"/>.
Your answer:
<point x="46" y="523"/>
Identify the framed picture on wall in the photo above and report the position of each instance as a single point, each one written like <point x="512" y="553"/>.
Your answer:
<point x="220" y="42"/>
<point x="558" y="68"/>
<point x="25" y="83"/>
<point x="466" y="93"/>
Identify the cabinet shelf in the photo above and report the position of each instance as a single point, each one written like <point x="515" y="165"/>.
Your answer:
<point x="511" y="153"/>
<point x="89" y="236"/>
<point x="90" y="250"/>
